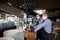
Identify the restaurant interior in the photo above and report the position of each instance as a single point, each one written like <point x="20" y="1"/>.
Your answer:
<point x="17" y="16"/>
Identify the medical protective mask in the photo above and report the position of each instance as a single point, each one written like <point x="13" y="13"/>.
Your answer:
<point x="44" y="17"/>
<point x="38" y="17"/>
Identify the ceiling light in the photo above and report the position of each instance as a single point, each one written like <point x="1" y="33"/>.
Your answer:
<point x="20" y="6"/>
<point x="23" y="4"/>
<point x="9" y="4"/>
<point x="39" y="11"/>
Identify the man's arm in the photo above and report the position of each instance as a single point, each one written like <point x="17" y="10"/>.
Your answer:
<point x="40" y="21"/>
<point x="39" y="26"/>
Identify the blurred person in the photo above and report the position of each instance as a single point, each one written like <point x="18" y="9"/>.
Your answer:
<point x="44" y="29"/>
<point x="39" y="20"/>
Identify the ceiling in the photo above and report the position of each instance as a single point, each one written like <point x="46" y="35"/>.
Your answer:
<point x="30" y="5"/>
<point x="33" y="4"/>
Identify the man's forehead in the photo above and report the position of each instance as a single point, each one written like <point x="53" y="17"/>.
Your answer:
<point x="44" y="14"/>
<point x="37" y="15"/>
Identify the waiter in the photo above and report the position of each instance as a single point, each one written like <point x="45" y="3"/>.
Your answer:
<point x="39" y="20"/>
<point x="44" y="28"/>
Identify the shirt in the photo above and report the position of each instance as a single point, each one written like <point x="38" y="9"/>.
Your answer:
<point x="46" y="24"/>
<point x="38" y="21"/>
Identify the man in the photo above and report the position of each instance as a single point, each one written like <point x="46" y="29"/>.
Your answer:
<point x="44" y="28"/>
<point x="39" y="20"/>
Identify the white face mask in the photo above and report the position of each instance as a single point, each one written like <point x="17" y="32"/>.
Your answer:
<point x="37" y="17"/>
<point x="44" y="17"/>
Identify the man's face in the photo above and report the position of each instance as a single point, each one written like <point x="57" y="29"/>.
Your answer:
<point x="37" y="16"/>
<point x="44" y="16"/>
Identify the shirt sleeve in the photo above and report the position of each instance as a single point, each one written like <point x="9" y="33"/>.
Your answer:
<point x="39" y="26"/>
<point x="40" y="21"/>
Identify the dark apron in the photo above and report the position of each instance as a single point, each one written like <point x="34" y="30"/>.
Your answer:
<point x="43" y="35"/>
